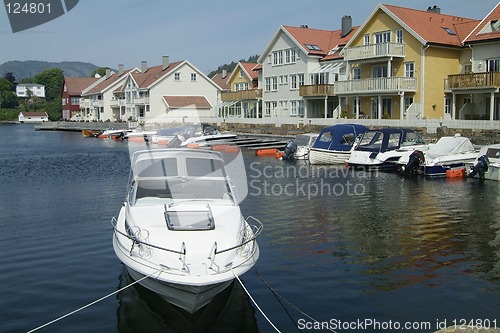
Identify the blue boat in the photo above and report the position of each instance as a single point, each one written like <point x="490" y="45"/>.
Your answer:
<point x="334" y="144"/>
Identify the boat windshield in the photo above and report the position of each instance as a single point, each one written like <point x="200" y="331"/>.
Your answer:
<point x="413" y="139"/>
<point x="302" y="140"/>
<point x="195" y="179"/>
<point x="371" y="141"/>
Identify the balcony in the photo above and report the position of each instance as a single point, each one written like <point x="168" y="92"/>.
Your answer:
<point x="114" y="103"/>
<point x="472" y="81"/>
<point x="141" y="100"/>
<point x="383" y="85"/>
<point x="317" y="90"/>
<point x="241" y="95"/>
<point x="373" y="51"/>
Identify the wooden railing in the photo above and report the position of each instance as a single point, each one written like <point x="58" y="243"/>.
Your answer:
<point x="374" y="51"/>
<point x="241" y="95"/>
<point x="317" y="90"/>
<point x="472" y="81"/>
<point x="377" y="85"/>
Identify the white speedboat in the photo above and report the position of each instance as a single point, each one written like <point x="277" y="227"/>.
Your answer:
<point x="335" y="144"/>
<point x="298" y="148"/>
<point x="199" y="134"/>
<point x="487" y="164"/>
<point x="382" y="148"/>
<point x="448" y="153"/>
<point x="180" y="231"/>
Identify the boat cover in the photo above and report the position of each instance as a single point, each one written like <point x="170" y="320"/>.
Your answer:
<point x="339" y="137"/>
<point x="449" y="145"/>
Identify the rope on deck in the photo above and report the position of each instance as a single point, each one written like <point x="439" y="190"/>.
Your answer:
<point x="94" y="302"/>
<point x="254" y="302"/>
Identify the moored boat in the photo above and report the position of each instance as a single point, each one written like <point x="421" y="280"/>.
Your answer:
<point x="180" y="231"/>
<point x="487" y="164"/>
<point x="335" y="143"/>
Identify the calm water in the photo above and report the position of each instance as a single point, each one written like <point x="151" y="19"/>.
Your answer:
<point x="340" y="247"/>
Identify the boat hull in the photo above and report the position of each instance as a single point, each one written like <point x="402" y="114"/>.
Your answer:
<point x="323" y="156"/>
<point x="186" y="297"/>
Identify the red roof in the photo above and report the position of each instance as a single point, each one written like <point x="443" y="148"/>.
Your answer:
<point x="34" y="114"/>
<point x="153" y="74"/>
<point x="177" y="102"/>
<point x="325" y="40"/>
<point x="107" y="82"/>
<point x="485" y="30"/>
<point x="435" y="27"/>
<point x="76" y="85"/>
<point x="222" y="81"/>
<point x="249" y="68"/>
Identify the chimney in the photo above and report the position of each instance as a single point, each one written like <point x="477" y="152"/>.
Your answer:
<point x="120" y="69"/>
<point x="224" y="73"/>
<point x="346" y="25"/>
<point x="166" y="62"/>
<point x="144" y="66"/>
<point x="108" y="73"/>
<point x="434" y="9"/>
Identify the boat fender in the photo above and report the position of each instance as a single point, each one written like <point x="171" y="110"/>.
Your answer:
<point x="290" y="149"/>
<point x="480" y="167"/>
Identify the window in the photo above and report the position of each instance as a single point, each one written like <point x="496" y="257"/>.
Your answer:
<point x="283" y="79"/>
<point x="241" y="73"/>
<point x="399" y="36"/>
<point x="447" y="105"/>
<point x="75" y="101"/>
<point x="408" y="103"/>
<point x="290" y="56"/>
<point x="356" y="73"/>
<point x="379" y="71"/>
<point x="301" y="79"/>
<point x="409" y="69"/>
<point x="313" y="47"/>
<point x="293" y="82"/>
<point x="241" y="86"/>
<point x="274" y="83"/>
<point x="449" y="31"/>
<point x="493" y="65"/>
<point x="268" y="109"/>
<point x="301" y="108"/>
<point x="467" y="68"/>
<point x="277" y="58"/>
<point x="268" y="84"/>
<point x="383" y="37"/>
<point x="366" y="39"/>
<point x="193" y="76"/>
<point x="177" y="76"/>
<point x="294" y="108"/>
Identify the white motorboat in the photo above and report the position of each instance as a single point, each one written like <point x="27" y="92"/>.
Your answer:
<point x="448" y="153"/>
<point x="298" y="148"/>
<point x="382" y="148"/>
<point x="199" y="134"/>
<point x="487" y="164"/>
<point x="180" y="231"/>
<point x="335" y="144"/>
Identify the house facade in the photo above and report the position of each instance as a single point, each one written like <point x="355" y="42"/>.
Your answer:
<point x="302" y="57"/>
<point x="244" y="98"/>
<point x="71" y="94"/>
<point x="172" y="91"/>
<point x="33" y="117"/>
<point x="395" y="63"/>
<point x="24" y="90"/>
<point x="472" y="92"/>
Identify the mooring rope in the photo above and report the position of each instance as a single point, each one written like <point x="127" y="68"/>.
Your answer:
<point x="254" y="302"/>
<point x="96" y="301"/>
<point x="278" y="296"/>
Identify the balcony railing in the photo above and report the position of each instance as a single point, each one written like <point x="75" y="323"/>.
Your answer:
<point x="117" y="102"/>
<point x="472" y="81"/>
<point x="141" y="100"/>
<point x="241" y="95"/>
<point x="371" y="51"/>
<point x="314" y="90"/>
<point x="392" y="85"/>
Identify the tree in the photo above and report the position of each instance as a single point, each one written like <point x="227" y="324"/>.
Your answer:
<point x="12" y="79"/>
<point x="8" y="98"/>
<point x="52" y="79"/>
<point x="99" y="70"/>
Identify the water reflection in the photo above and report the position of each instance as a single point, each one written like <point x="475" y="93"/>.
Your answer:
<point x="140" y="310"/>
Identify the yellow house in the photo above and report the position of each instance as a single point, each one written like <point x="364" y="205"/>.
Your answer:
<point x="245" y="99"/>
<point x="397" y="62"/>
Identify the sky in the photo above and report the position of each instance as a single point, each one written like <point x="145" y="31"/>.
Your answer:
<point x="206" y="33"/>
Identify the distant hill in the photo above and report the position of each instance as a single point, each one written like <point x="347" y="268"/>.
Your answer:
<point x="30" y="68"/>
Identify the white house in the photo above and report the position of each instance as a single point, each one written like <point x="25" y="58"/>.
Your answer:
<point x="169" y="92"/>
<point x="36" y="90"/>
<point x="33" y="117"/>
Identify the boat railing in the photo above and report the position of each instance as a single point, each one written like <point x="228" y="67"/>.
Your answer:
<point x="182" y="252"/>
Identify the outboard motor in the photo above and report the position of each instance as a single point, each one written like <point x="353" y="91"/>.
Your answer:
<point x="480" y="167"/>
<point x="415" y="161"/>
<point x="176" y="141"/>
<point x="290" y="149"/>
